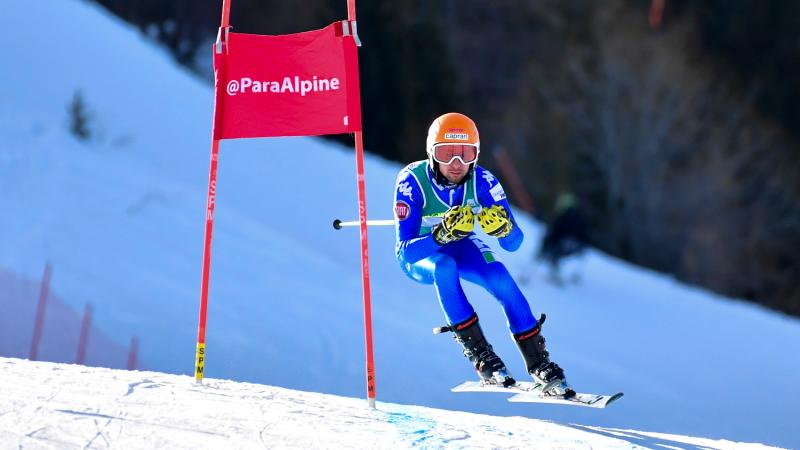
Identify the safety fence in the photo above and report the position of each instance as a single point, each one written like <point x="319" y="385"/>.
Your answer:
<point x="37" y="324"/>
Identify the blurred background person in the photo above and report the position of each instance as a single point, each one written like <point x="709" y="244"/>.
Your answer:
<point x="565" y="237"/>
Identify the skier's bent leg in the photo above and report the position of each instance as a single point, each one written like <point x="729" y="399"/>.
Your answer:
<point x="489" y="366"/>
<point x="463" y="321"/>
<point x="452" y="299"/>
<point x="498" y="281"/>
<point x="537" y="362"/>
<point x="525" y="329"/>
<point x="478" y="264"/>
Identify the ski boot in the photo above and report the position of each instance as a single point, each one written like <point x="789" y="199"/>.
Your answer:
<point x="488" y="365"/>
<point x="544" y="372"/>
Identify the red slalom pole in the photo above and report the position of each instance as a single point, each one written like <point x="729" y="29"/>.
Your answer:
<point x="362" y="216"/>
<point x="40" y="310"/>
<point x="226" y="13"/>
<point x="206" y="274"/>
<point x="84" y="339"/>
<point x="200" y="355"/>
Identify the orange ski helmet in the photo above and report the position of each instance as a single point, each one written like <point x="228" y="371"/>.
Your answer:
<point x="452" y="128"/>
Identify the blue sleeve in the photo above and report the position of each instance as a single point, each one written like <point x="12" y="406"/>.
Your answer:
<point x="490" y="192"/>
<point x="410" y="247"/>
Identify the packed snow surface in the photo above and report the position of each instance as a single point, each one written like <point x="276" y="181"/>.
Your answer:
<point x="47" y="405"/>
<point x="121" y="215"/>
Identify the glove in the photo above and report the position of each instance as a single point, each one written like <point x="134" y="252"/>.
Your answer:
<point x="456" y="224"/>
<point x="495" y="222"/>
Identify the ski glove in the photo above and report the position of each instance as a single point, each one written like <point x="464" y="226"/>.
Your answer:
<point x="456" y="224"/>
<point x="495" y="222"/>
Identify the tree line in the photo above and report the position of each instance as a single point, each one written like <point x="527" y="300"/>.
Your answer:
<point x="681" y="142"/>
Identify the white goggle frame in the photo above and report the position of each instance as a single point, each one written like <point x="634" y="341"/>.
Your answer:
<point x="432" y="153"/>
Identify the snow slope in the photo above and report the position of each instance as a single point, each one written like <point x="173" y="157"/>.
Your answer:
<point x="121" y="219"/>
<point x="46" y="405"/>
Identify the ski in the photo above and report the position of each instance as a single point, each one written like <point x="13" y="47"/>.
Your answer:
<point x="529" y="392"/>
<point x="580" y="399"/>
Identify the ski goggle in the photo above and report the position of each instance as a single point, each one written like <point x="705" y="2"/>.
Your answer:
<point x="447" y="153"/>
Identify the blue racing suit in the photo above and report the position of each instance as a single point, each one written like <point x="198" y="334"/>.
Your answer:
<point x="420" y="203"/>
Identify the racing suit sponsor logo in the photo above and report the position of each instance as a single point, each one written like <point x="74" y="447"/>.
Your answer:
<point x="497" y="192"/>
<point x="401" y="210"/>
<point x="405" y="190"/>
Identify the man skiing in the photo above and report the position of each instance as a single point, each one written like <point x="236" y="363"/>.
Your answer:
<point x="437" y="201"/>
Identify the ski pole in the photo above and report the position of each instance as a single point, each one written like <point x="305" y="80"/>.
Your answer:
<point x="338" y="224"/>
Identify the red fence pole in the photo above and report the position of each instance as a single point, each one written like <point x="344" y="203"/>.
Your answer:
<point x="84" y="339"/>
<point x="40" y="310"/>
<point x="200" y="357"/>
<point x="133" y="353"/>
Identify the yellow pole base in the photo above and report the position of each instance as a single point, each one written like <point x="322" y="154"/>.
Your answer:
<point x="200" y="362"/>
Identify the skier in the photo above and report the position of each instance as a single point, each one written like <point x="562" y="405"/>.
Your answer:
<point x="436" y="203"/>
